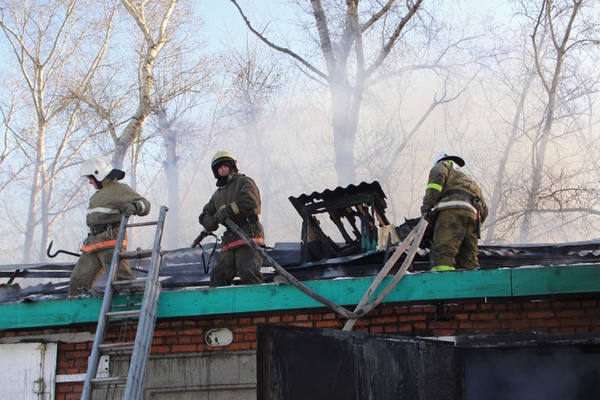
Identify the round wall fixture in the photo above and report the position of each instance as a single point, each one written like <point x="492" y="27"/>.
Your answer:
<point x="219" y="337"/>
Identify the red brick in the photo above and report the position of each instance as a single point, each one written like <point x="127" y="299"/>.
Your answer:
<point x="362" y="322"/>
<point x="483" y="317"/>
<point x="303" y="324"/>
<point x="570" y="313"/>
<point x="465" y="325"/>
<point x="442" y="324"/>
<point x="387" y="311"/>
<point x="575" y="322"/>
<point x="385" y="320"/>
<point x="274" y="319"/>
<point x="183" y="348"/>
<point x="511" y="315"/>
<point x="543" y="323"/>
<point x="160" y="349"/>
<point x="376" y="329"/>
<point x="401" y="309"/>
<point x="239" y="346"/>
<point x="412" y="317"/>
<point x="259" y="320"/>
<point x="287" y="318"/>
<point x="444" y="332"/>
<point x="419" y="326"/>
<point x="405" y="328"/>
<point x="390" y="329"/>
<point x="328" y="324"/>
<point x="302" y="317"/>
<point x="244" y="321"/>
<point x="495" y="324"/>
<point x="64" y="388"/>
<point x="515" y="323"/>
<point x="540" y="314"/>
<point x="192" y="331"/>
<point x="423" y="309"/>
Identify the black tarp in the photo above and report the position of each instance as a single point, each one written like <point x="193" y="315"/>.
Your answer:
<point x="301" y="363"/>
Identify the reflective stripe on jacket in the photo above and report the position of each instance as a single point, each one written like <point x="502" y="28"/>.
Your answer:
<point x="104" y="209"/>
<point x="444" y="178"/>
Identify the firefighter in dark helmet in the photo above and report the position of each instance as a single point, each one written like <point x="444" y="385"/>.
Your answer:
<point x="237" y="198"/>
<point x="454" y="203"/>
<point x="111" y="200"/>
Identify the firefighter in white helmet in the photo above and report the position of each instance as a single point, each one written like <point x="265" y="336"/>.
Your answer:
<point x="238" y="198"/>
<point x="111" y="200"/>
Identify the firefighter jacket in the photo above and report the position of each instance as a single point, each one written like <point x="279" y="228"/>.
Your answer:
<point x="239" y="200"/>
<point x="449" y="188"/>
<point x="104" y="214"/>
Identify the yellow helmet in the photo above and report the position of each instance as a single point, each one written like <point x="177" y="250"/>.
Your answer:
<point x="221" y="157"/>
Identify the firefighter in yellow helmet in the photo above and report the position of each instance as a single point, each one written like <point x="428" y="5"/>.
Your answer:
<point x="238" y="198"/>
<point x="454" y="204"/>
<point x="111" y="200"/>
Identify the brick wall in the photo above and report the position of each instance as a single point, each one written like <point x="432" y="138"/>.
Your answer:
<point x="563" y="316"/>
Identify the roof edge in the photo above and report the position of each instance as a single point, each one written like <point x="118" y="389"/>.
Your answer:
<point x="418" y="287"/>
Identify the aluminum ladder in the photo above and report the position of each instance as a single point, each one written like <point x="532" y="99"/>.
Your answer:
<point x="146" y="315"/>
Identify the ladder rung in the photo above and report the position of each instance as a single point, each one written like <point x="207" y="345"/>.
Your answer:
<point x="106" y="348"/>
<point x="111" y="380"/>
<point x="147" y="223"/>
<point x="135" y="254"/>
<point x="137" y="283"/>
<point x="123" y="314"/>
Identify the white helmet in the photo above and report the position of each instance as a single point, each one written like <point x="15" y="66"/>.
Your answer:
<point x="445" y="156"/>
<point x="97" y="167"/>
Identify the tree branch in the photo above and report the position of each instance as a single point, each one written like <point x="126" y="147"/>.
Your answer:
<point x="276" y="47"/>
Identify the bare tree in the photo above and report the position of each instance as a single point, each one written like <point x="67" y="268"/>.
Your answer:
<point x="341" y="34"/>
<point x="152" y="19"/>
<point x="255" y="81"/>
<point x="566" y="36"/>
<point x="46" y="41"/>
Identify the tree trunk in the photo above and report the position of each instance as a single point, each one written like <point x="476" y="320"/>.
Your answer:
<point x="345" y="105"/>
<point x="172" y="176"/>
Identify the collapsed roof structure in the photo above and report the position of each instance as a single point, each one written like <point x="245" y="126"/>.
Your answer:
<point x="358" y="213"/>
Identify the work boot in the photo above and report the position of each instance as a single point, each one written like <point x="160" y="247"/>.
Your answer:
<point x="442" y="268"/>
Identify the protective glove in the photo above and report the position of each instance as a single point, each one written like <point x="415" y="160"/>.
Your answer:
<point x="199" y="238"/>
<point x="209" y="222"/>
<point x="222" y="213"/>
<point x="128" y="209"/>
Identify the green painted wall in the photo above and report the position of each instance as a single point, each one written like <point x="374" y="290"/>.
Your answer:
<point x="506" y="282"/>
